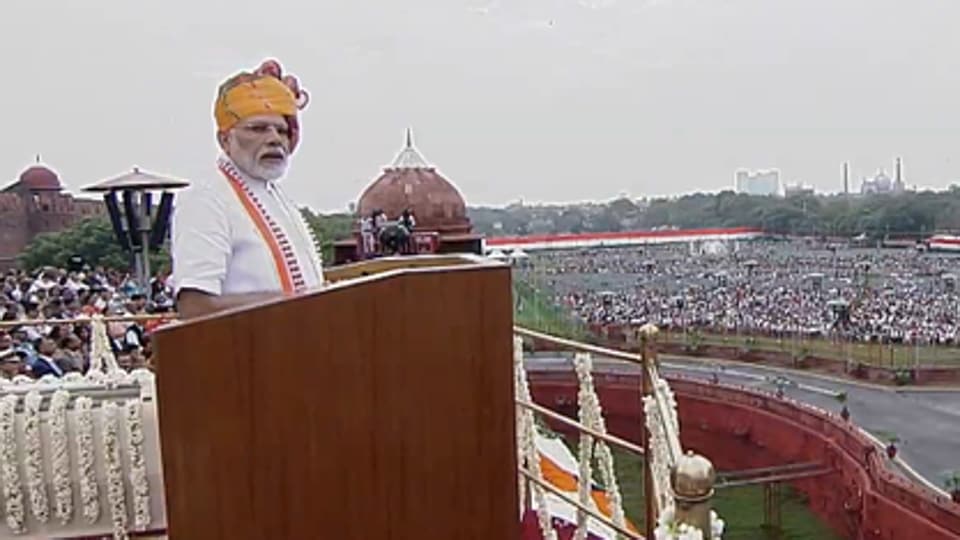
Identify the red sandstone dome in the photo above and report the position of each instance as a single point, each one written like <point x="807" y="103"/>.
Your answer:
<point x="409" y="183"/>
<point x="40" y="178"/>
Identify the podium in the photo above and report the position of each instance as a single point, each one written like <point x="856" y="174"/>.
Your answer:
<point x="379" y="407"/>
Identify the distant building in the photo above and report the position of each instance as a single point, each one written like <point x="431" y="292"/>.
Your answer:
<point x="793" y="190"/>
<point x="881" y="183"/>
<point x="762" y="182"/>
<point x="36" y="204"/>
<point x="411" y="184"/>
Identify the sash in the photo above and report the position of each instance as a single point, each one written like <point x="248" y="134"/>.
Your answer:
<point x="281" y="249"/>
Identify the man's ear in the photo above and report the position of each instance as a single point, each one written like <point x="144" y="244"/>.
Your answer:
<point x="222" y="139"/>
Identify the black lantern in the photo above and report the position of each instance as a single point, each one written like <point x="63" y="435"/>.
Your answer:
<point x="140" y="222"/>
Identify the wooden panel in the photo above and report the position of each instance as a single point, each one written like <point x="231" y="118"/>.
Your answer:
<point x="383" y="409"/>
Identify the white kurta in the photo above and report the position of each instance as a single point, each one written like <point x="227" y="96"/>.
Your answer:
<point x="217" y="248"/>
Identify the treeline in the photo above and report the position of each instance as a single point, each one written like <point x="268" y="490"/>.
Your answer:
<point x="911" y="213"/>
<point x="906" y="214"/>
<point x="93" y="240"/>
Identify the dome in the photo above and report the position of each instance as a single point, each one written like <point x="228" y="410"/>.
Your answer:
<point x="412" y="184"/>
<point x="40" y="178"/>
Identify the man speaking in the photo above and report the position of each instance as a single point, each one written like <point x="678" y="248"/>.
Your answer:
<point x="236" y="237"/>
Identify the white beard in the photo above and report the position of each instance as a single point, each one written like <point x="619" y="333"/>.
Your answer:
<point x="248" y="163"/>
<point x="268" y="172"/>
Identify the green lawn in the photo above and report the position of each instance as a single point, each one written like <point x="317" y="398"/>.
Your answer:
<point x="535" y="310"/>
<point x="740" y="508"/>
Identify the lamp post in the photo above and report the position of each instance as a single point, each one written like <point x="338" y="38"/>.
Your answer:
<point x="140" y="226"/>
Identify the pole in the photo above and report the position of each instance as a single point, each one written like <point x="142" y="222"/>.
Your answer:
<point x="148" y="290"/>
<point x="650" y="516"/>
<point x="144" y="231"/>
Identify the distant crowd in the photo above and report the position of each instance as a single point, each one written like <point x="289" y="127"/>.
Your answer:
<point x="42" y="327"/>
<point x="768" y="288"/>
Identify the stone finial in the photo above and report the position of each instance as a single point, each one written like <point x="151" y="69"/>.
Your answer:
<point x="649" y="330"/>
<point x="693" y="477"/>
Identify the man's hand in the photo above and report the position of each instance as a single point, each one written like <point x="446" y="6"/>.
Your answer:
<point x="193" y="303"/>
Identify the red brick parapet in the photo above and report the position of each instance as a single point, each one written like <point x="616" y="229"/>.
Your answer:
<point x="741" y="428"/>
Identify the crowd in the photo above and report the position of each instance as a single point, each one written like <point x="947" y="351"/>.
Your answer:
<point x="763" y="288"/>
<point x="43" y="327"/>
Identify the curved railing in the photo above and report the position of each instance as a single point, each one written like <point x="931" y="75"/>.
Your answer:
<point x="857" y="446"/>
<point x="679" y="486"/>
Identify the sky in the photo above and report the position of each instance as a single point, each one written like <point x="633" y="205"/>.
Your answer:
<point x="533" y="100"/>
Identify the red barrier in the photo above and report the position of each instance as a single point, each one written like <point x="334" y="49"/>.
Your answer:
<point x="741" y="429"/>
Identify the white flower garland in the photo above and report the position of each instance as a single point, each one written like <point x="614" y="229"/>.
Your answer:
<point x="585" y="474"/>
<point x="62" y="483"/>
<point x="591" y="415"/>
<point x="668" y="529"/>
<point x="33" y="457"/>
<point x="659" y="456"/>
<point x="103" y="365"/>
<point x="526" y="431"/>
<point x="12" y="491"/>
<point x="114" y="469"/>
<point x="138" y="466"/>
<point x="89" y="491"/>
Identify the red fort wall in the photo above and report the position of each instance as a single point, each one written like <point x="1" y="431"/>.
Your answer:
<point x="742" y="429"/>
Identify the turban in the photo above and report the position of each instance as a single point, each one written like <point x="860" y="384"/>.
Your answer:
<point x="264" y="91"/>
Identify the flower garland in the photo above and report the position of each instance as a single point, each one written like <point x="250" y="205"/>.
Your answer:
<point x="521" y="424"/>
<point x="585" y="477"/>
<point x="668" y="528"/>
<point x="33" y="458"/>
<point x="530" y="457"/>
<point x="591" y="415"/>
<point x="659" y="456"/>
<point x="138" y="466"/>
<point x="89" y="491"/>
<point x="62" y="484"/>
<point x="114" y="469"/>
<point x="103" y="365"/>
<point x="12" y="491"/>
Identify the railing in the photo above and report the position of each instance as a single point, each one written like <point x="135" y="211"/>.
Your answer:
<point x="112" y="424"/>
<point x="80" y="454"/>
<point x="677" y="486"/>
<point x="856" y="444"/>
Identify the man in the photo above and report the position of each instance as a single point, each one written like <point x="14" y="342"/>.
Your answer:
<point x="237" y="238"/>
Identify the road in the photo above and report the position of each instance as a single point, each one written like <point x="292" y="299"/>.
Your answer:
<point x="927" y="423"/>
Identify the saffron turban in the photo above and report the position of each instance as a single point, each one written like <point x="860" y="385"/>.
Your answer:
<point x="263" y="91"/>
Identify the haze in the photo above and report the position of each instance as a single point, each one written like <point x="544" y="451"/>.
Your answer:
<point x="544" y="100"/>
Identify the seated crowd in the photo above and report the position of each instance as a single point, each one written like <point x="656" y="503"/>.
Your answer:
<point x="42" y="329"/>
<point x="774" y="289"/>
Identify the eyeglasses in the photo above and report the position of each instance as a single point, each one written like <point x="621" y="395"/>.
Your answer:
<point x="260" y="129"/>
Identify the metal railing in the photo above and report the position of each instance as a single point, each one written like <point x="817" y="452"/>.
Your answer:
<point x="664" y="460"/>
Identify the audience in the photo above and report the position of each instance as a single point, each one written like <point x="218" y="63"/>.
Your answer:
<point x="762" y="288"/>
<point x="42" y="345"/>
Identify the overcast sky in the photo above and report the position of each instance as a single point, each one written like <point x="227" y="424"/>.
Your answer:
<point x="545" y="100"/>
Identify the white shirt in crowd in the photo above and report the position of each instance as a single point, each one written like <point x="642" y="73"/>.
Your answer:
<point x="217" y="248"/>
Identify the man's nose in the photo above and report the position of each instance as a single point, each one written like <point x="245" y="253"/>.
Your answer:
<point x="273" y="135"/>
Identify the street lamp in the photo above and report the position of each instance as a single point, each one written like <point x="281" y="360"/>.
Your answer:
<point x="140" y="226"/>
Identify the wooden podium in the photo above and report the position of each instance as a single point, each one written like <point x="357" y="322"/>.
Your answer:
<point x="381" y="407"/>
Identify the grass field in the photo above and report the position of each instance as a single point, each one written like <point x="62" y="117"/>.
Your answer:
<point x="740" y="508"/>
<point x="535" y="310"/>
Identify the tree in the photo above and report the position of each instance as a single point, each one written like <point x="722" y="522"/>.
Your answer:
<point x="93" y="239"/>
<point x="329" y="228"/>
